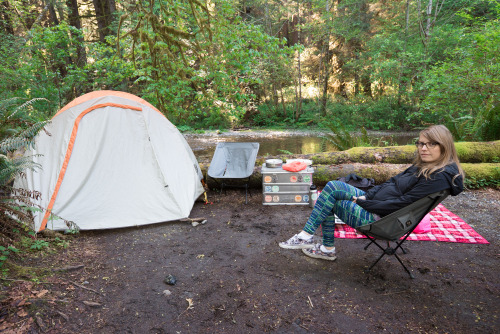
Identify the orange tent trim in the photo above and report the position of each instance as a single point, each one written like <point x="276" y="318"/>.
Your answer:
<point x="71" y="144"/>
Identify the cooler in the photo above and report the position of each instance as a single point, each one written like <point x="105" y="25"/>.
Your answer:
<point x="281" y="187"/>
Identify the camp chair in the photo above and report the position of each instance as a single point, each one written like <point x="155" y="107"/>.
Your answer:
<point x="233" y="161"/>
<point x="397" y="226"/>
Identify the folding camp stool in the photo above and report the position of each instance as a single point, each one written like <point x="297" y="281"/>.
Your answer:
<point x="400" y="224"/>
<point x="233" y="161"/>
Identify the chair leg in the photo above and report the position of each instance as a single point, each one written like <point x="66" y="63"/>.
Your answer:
<point x="368" y="245"/>
<point x="374" y="263"/>
<point x="388" y="251"/>
<point x="406" y="269"/>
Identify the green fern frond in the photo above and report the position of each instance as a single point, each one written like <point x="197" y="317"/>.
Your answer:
<point x="27" y="104"/>
<point x="4" y="104"/>
<point x="342" y="139"/>
<point x="23" y="139"/>
<point x="10" y="168"/>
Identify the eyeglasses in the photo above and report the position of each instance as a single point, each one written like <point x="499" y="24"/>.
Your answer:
<point x="420" y="144"/>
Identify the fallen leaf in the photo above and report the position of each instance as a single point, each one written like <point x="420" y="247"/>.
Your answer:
<point x="22" y="313"/>
<point x="190" y="303"/>
<point x="42" y="293"/>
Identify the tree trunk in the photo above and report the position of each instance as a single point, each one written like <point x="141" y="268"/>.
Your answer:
<point x="401" y="77"/>
<point x="104" y="10"/>
<point x="283" y="101"/>
<point x="428" y="23"/>
<point x="299" y="98"/>
<point x="324" y="96"/>
<point x="5" y="19"/>
<point x="54" y="21"/>
<point x="74" y="20"/>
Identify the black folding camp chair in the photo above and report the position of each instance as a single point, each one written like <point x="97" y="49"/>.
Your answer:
<point x="397" y="226"/>
<point x="233" y="162"/>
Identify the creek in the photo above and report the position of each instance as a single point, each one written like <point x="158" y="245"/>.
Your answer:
<point x="276" y="142"/>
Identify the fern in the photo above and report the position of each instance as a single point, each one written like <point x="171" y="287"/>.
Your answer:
<point x="14" y="120"/>
<point x="10" y="168"/>
<point x="22" y="139"/>
<point x="342" y="139"/>
<point x="18" y="129"/>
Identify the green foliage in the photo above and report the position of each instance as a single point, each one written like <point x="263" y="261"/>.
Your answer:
<point x="472" y="182"/>
<point x="4" y="255"/>
<point x="212" y="65"/>
<point x="342" y="139"/>
<point x="39" y="244"/>
<point x="285" y="152"/>
<point x="18" y="128"/>
<point x="107" y="70"/>
<point x="199" y="74"/>
<point x="464" y="91"/>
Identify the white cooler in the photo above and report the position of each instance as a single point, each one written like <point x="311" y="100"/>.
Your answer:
<point x="281" y="187"/>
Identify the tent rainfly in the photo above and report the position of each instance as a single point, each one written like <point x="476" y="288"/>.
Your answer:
<point x="110" y="159"/>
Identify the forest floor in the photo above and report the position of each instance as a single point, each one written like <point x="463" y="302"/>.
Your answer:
<point x="231" y="277"/>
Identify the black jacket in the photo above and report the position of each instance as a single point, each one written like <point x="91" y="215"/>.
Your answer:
<point x="405" y="188"/>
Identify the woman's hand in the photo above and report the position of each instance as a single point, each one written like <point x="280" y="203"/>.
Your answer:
<point x="354" y="198"/>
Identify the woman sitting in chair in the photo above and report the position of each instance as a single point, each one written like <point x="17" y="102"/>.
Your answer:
<point x="435" y="168"/>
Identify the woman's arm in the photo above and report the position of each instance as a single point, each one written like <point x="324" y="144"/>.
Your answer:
<point x="371" y="192"/>
<point x="423" y="188"/>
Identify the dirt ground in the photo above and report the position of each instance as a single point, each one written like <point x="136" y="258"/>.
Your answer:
<point x="231" y="277"/>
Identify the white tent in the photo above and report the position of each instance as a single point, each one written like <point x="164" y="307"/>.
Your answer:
<point x="110" y="159"/>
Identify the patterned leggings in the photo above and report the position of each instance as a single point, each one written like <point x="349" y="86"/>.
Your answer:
<point x="335" y="199"/>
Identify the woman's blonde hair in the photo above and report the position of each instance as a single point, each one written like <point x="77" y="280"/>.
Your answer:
<point x="441" y="135"/>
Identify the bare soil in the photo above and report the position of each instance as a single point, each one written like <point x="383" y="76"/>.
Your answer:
<point x="231" y="277"/>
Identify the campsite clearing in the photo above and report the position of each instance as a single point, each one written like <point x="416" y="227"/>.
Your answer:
<point x="231" y="277"/>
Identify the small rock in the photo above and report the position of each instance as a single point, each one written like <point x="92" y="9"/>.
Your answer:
<point x="167" y="292"/>
<point x="170" y="280"/>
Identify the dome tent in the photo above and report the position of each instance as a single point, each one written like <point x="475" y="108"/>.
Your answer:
<point x="110" y="159"/>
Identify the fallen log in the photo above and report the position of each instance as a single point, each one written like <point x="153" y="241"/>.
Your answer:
<point x="485" y="173"/>
<point x="468" y="152"/>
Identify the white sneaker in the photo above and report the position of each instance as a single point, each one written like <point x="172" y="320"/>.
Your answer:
<point x="318" y="253"/>
<point x="296" y="242"/>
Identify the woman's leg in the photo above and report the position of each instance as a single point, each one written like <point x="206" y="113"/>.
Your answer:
<point x="322" y="215"/>
<point x="334" y="191"/>
<point x="350" y="213"/>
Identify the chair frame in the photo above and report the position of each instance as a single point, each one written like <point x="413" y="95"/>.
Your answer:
<point x="223" y="184"/>
<point x="404" y="222"/>
<point x="229" y="182"/>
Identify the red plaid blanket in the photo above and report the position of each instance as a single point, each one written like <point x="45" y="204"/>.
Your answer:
<point x="445" y="226"/>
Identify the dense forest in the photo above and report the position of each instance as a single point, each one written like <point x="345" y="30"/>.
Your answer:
<point x="377" y="64"/>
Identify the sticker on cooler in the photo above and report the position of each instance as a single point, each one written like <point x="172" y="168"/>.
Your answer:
<point x="276" y="198"/>
<point x="293" y="178"/>
<point x="268" y="179"/>
<point x="307" y="178"/>
<point x="268" y="198"/>
<point x="276" y="189"/>
<point x="298" y="198"/>
<point x="267" y="189"/>
<point x="306" y="198"/>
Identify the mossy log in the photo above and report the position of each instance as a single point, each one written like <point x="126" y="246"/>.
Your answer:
<point x="468" y="152"/>
<point x="380" y="172"/>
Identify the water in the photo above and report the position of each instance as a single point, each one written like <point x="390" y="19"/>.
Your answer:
<point x="282" y="142"/>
